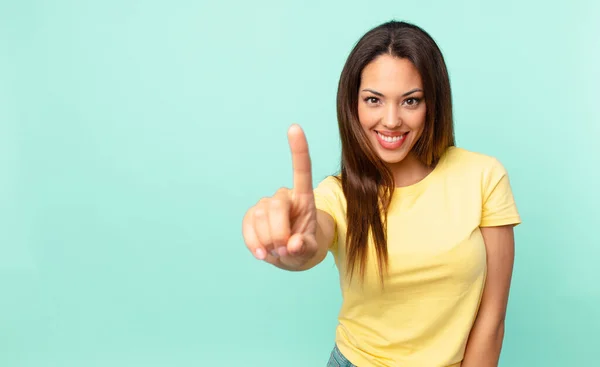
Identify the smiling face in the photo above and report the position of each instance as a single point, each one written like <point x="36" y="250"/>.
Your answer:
<point x="391" y="107"/>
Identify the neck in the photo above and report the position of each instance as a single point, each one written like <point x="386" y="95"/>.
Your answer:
<point x="409" y="171"/>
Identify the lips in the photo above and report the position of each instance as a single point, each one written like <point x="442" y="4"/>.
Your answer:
<point x="391" y="139"/>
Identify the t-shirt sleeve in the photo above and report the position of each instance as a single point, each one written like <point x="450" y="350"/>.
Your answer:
<point x="327" y="198"/>
<point x="499" y="207"/>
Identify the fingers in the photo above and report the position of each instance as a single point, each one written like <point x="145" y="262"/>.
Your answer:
<point x="295" y="245"/>
<point x="300" y="160"/>
<point x="261" y="223"/>
<point x="266" y="226"/>
<point x="251" y="238"/>
<point x="276" y="247"/>
<point x="279" y="220"/>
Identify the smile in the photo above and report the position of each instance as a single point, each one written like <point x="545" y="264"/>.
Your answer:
<point x="391" y="140"/>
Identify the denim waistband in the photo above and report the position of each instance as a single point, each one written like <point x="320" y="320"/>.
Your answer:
<point x="337" y="359"/>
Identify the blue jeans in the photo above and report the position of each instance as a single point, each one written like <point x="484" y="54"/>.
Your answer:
<point x="337" y="359"/>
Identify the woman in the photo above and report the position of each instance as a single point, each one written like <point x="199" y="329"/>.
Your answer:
<point x="420" y="230"/>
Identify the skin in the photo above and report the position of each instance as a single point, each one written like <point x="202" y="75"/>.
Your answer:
<point x="287" y="231"/>
<point x="485" y="341"/>
<point x="391" y="99"/>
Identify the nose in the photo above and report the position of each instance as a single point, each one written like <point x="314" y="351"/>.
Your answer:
<point x="392" y="118"/>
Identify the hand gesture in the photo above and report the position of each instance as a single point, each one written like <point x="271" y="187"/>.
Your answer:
<point x="281" y="229"/>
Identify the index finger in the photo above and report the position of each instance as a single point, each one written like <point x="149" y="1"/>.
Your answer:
<point x="300" y="160"/>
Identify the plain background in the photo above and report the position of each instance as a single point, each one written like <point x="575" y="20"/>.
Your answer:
<point x="135" y="134"/>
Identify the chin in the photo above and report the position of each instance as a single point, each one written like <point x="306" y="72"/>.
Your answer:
<point x="393" y="158"/>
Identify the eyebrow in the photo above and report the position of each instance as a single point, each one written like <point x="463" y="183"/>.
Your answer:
<point x="404" y="95"/>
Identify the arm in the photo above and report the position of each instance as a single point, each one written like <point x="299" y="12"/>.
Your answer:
<point x="486" y="337"/>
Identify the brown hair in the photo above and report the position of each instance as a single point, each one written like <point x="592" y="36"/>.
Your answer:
<point x="367" y="183"/>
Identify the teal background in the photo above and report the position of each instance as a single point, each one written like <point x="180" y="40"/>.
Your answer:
<point x="135" y="134"/>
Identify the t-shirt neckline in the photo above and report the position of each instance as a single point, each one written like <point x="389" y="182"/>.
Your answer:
<point x="422" y="184"/>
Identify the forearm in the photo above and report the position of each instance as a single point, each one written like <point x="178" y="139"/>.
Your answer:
<point x="484" y="346"/>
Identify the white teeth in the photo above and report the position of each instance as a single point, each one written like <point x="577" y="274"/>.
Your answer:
<point x="390" y="139"/>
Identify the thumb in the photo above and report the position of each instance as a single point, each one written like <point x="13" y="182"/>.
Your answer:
<point x="296" y="244"/>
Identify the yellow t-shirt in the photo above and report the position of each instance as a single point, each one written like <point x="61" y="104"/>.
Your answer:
<point x="437" y="264"/>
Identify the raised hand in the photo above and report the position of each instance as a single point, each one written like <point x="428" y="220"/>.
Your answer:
<point x="281" y="229"/>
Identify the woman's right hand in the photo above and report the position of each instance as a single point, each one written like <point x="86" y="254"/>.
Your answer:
<point x="281" y="229"/>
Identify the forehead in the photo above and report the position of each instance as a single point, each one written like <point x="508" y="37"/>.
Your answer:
<point x="391" y="74"/>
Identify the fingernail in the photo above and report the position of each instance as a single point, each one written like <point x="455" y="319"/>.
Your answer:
<point x="282" y="251"/>
<point x="260" y="254"/>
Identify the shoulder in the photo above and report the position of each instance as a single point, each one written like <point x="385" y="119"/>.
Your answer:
<point x="329" y="186"/>
<point x="468" y="162"/>
<point x="479" y="172"/>
<point x="329" y="197"/>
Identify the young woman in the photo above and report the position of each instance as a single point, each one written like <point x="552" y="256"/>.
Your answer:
<point x="420" y="230"/>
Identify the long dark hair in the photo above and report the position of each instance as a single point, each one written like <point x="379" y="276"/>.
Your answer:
<point x="367" y="183"/>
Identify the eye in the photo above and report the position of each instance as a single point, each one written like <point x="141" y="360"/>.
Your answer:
<point x="412" y="102"/>
<point x="371" y="99"/>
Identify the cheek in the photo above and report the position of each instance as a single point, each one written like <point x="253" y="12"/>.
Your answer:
<point x="367" y="118"/>
<point x="417" y="122"/>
